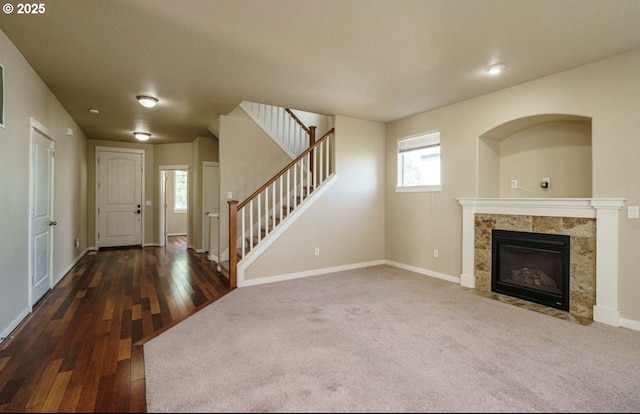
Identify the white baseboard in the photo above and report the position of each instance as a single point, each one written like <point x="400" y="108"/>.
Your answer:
<point x="427" y="272"/>
<point x="630" y="324"/>
<point x="151" y="245"/>
<point x="69" y="267"/>
<point x="307" y="273"/>
<point x="176" y="234"/>
<point x="213" y="258"/>
<point x="13" y="325"/>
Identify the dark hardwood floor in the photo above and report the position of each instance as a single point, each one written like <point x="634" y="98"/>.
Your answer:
<point x="80" y="350"/>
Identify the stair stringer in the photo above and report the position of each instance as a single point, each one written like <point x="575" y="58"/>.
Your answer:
<point x="254" y="253"/>
<point x="266" y="130"/>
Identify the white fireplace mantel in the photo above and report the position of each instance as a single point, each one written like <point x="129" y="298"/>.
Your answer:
<point x="604" y="210"/>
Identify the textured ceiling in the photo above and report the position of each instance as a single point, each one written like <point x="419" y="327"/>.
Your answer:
<point x="378" y="60"/>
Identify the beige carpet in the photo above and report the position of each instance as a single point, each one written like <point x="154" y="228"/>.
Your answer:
<point x="382" y="339"/>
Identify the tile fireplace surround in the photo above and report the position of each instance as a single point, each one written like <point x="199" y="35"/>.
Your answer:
<point x="592" y="224"/>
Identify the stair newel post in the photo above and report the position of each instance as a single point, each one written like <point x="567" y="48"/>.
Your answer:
<point x="312" y="140"/>
<point x="233" y="245"/>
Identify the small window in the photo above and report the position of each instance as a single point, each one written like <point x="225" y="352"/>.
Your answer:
<point x="419" y="162"/>
<point x="180" y="191"/>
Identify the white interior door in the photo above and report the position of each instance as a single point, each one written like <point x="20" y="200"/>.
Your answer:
<point x="120" y="204"/>
<point x="42" y="222"/>
<point x="211" y="199"/>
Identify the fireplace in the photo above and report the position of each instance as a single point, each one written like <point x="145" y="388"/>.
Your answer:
<point x="531" y="266"/>
<point x="592" y="225"/>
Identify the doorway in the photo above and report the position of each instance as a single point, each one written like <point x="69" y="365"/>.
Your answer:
<point x="41" y="220"/>
<point x="174" y="205"/>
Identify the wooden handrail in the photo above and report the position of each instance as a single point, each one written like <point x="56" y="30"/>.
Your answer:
<point x="284" y="170"/>
<point x="295" y="118"/>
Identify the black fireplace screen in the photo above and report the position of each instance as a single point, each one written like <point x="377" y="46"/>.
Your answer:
<point x="531" y="266"/>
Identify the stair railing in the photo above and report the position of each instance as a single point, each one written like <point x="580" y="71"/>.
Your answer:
<point x="283" y="126"/>
<point x="277" y="198"/>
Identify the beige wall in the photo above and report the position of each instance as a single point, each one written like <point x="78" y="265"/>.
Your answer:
<point x="347" y="222"/>
<point x="25" y="97"/>
<point x="607" y="91"/>
<point x="560" y="151"/>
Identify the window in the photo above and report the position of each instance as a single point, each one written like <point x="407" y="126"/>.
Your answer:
<point x="419" y="162"/>
<point x="180" y="191"/>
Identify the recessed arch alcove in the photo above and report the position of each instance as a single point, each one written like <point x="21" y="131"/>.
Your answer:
<point x="528" y="149"/>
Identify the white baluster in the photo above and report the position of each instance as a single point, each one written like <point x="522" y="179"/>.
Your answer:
<point x="295" y="186"/>
<point x="259" y="219"/>
<point x="250" y="225"/>
<point x="242" y="233"/>
<point x="288" y="193"/>
<point x="320" y="162"/>
<point x="273" y="207"/>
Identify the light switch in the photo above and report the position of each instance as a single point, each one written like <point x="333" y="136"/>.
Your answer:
<point x="633" y="212"/>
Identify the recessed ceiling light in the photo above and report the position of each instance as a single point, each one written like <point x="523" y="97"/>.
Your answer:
<point x="147" y="101"/>
<point x="142" y="136"/>
<point x="94" y="111"/>
<point x="494" y="69"/>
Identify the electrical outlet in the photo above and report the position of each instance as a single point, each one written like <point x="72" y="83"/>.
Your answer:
<point x="514" y="183"/>
<point x="435" y="253"/>
<point x="229" y="195"/>
<point x="545" y="183"/>
<point x="76" y="243"/>
<point x="317" y="251"/>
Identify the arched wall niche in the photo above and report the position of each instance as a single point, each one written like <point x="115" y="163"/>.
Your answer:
<point x="554" y="146"/>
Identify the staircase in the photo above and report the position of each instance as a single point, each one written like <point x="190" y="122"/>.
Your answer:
<point x="256" y="221"/>
<point x="284" y="127"/>
<point x="250" y="241"/>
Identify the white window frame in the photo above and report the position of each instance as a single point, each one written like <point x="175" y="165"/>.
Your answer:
<point x="430" y="138"/>
<point x="177" y="209"/>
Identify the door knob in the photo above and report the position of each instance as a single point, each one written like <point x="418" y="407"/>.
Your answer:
<point x="53" y="223"/>
<point x="138" y="212"/>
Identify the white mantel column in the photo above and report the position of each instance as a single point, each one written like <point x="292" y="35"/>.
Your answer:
<point x="467" y="278"/>
<point x="606" y="309"/>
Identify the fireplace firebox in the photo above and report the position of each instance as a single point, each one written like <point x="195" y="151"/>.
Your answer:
<point x="531" y="266"/>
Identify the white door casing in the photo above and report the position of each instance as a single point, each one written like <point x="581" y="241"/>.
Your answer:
<point x="120" y="208"/>
<point x="164" y="203"/>
<point x="210" y="199"/>
<point x="41" y="212"/>
<point x="163" y="208"/>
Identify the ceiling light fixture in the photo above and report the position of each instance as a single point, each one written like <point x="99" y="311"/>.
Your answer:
<point x="94" y="111"/>
<point x="142" y="136"/>
<point x="494" y="69"/>
<point x="147" y="101"/>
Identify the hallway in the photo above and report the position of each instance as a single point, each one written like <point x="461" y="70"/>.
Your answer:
<point x="80" y="349"/>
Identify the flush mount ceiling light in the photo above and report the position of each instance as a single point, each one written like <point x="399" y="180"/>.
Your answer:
<point x="147" y="101"/>
<point x="94" y="111"/>
<point x="494" y="69"/>
<point x="142" y="136"/>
